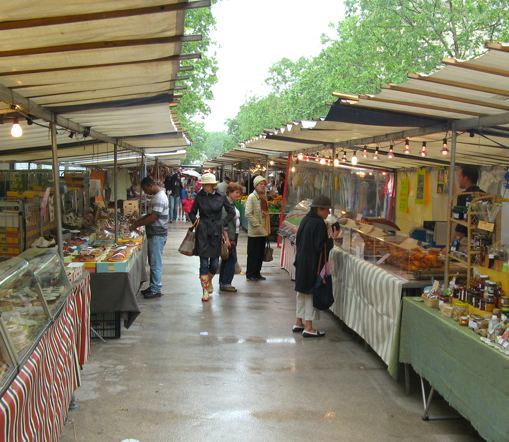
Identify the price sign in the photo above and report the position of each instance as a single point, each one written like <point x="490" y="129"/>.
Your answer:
<point x="484" y="225"/>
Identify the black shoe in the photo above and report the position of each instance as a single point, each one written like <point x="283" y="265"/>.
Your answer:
<point x="152" y="295"/>
<point x="146" y="291"/>
<point x="313" y="334"/>
<point x="261" y="278"/>
<point x="251" y="278"/>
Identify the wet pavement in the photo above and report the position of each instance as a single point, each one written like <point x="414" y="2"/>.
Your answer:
<point x="232" y="370"/>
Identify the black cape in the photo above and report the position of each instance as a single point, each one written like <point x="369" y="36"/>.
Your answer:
<point x="312" y="237"/>
<point x="210" y="229"/>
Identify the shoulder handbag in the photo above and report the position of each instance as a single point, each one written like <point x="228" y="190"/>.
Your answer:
<point x="225" y="250"/>
<point x="187" y="246"/>
<point x="268" y="255"/>
<point x="323" y="296"/>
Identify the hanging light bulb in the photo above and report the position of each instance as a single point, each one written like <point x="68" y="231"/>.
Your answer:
<point x="407" y="146"/>
<point x="300" y="156"/>
<point x="354" y="159"/>
<point x="322" y="161"/>
<point x="445" y="149"/>
<point x="390" y="154"/>
<point x="424" y="150"/>
<point x="293" y="169"/>
<point x="272" y="162"/>
<point x="365" y="152"/>
<point x="344" y="158"/>
<point x="16" y="129"/>
<point x="336" y="161"/>
<point x="375" y="156"/>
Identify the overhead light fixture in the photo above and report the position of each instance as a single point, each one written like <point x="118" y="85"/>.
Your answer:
<point x="445" y="149"/>
<point x="16" y="129"/>
<point x="390" y="154"/>
<point x="365" y="152"/>
<point x="407" y="146"/>
<point x="336" y="161"/>
<point x="375" y="156"/>
<point x="29" y="121"/>
<point x="354" y="159"/>
<point x="272" y="162"/>
<point x="344" y="158"/>
<point x="300" y="156"/>
<point x="322" y="161"/>
<point x="293" y="169"/>
<point x="424" y="150"/>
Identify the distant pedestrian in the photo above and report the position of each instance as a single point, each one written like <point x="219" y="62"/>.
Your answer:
<point x="209" y="205"/>
<point x="257" y="214"/>
<point x="312" y="243"/>
<point x="156" y="228"/>
<point x="222" y="186"/>
<point x="173" y="185"/>
<point x="227" y="271"/>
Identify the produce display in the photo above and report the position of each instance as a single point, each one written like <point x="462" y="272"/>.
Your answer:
<point x="483" y="306"/>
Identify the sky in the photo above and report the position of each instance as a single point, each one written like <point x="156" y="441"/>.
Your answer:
<point x="251" y="35"/>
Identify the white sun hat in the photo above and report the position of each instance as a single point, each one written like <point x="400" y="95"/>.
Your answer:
<point x="208" y="178"/>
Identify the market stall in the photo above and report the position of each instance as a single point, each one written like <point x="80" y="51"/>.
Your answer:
<point x="44" y="331"/>
<point x="469" y="374"/>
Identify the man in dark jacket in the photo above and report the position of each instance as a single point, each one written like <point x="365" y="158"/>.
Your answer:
<point x="313" y="247"/>
<point x="467" y="181"/>
<point x="173" y="186"/>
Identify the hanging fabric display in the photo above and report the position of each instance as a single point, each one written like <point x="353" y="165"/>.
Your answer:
<point x="420" y="191"/>
<point x="442" y="180"/>
<point x="404" y="190"/>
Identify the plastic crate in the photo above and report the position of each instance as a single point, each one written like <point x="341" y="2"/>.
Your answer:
<point x="106" y="325"/>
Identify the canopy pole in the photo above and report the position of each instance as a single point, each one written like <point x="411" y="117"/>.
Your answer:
<point x="115" y="192"/>
<point x="283" y="201"/>
<point x="450" y="192"/>
<point x="331" y="189"/>
<point x="56" y="181"/>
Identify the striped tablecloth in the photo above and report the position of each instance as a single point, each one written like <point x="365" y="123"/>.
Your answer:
<point x="368" y="300"/>
<point x="288" y="257"/>
<point x="35" y="405"/>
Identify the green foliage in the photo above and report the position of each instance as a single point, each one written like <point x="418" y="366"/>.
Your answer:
<point x="378" y="42"/>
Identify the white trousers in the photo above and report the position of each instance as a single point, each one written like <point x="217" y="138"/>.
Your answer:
<point x="305" y="309"/>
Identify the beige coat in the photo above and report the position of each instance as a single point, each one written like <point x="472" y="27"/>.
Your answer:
<point x="257" y="224"/>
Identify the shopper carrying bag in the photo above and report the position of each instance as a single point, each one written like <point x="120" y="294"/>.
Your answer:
<point x="312" y="243"/>
<point x="188" y="245"/>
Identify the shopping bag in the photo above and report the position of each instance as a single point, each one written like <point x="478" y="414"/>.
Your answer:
<point x="188" y="245"/>
<point x="322" y="293"/>
<point x="225" y="251"/>
<point x="268" y="255"/>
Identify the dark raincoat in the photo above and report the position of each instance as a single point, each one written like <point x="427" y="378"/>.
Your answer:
<point x="210" y="229"/>
<point x="312" y="237"/>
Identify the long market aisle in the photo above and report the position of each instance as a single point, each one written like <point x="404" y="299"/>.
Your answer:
<point x="232" y="370"/>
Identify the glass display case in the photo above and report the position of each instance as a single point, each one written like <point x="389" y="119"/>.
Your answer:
<point x="49" y="271"/>
<point x="24" y="312"/>
<point x="8" y="365"/>
<point x="382" y="245"/>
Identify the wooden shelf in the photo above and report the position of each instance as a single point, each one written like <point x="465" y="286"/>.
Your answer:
<point x="460" y="222"/>
<point x="459" y="260"/>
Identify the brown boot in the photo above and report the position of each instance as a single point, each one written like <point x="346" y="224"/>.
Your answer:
<point x="205" y="285"/>
<point x="211" y="287"/>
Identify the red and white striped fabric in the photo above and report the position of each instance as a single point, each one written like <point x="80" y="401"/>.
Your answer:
<point x="35" y="406"/>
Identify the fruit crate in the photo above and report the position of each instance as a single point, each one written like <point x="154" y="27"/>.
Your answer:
<point x="105" y="325"/>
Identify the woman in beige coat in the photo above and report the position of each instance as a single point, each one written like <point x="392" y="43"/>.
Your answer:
<point x="257" y="214"/>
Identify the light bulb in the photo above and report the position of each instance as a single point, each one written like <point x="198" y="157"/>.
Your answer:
<point x="390" y="154"/>
<point x="300" y="156"/>
<point x="336" y="162"/>
<point x="16" y="129"/>
<point x="375" y="156"/>
<point x="322" y="161"/>
<point x="407" y="146"/>
<point x="344" y="158"/>
<point x="293" y="169"/>
<point x="354" y="159"/>
<point x="365" y="152"/>
<point x="271" y="162"/>
<point x="424" y="151"/>
<point x="445" y="149"/>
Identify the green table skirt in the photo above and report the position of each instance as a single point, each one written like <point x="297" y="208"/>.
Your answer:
<point x="470" y="375"/>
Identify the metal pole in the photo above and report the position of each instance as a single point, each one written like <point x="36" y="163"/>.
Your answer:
<point x="115" y="192"/>
<point x="331" y="190"/>
<point x="56" y="181"/>
<point x="452" y="179"/>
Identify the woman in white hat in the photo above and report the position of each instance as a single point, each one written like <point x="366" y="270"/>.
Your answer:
<point x="258" y="228"/>
<point x="209" y="204"/>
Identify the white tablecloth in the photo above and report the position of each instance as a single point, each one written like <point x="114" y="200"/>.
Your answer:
<point x="288" y="257"/>
<point x="368" y="300"/>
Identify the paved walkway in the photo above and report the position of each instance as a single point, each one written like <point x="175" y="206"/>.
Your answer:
<point x="231" y="370"/>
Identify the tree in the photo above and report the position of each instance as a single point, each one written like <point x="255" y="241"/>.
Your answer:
<point x="379" y="41"/>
